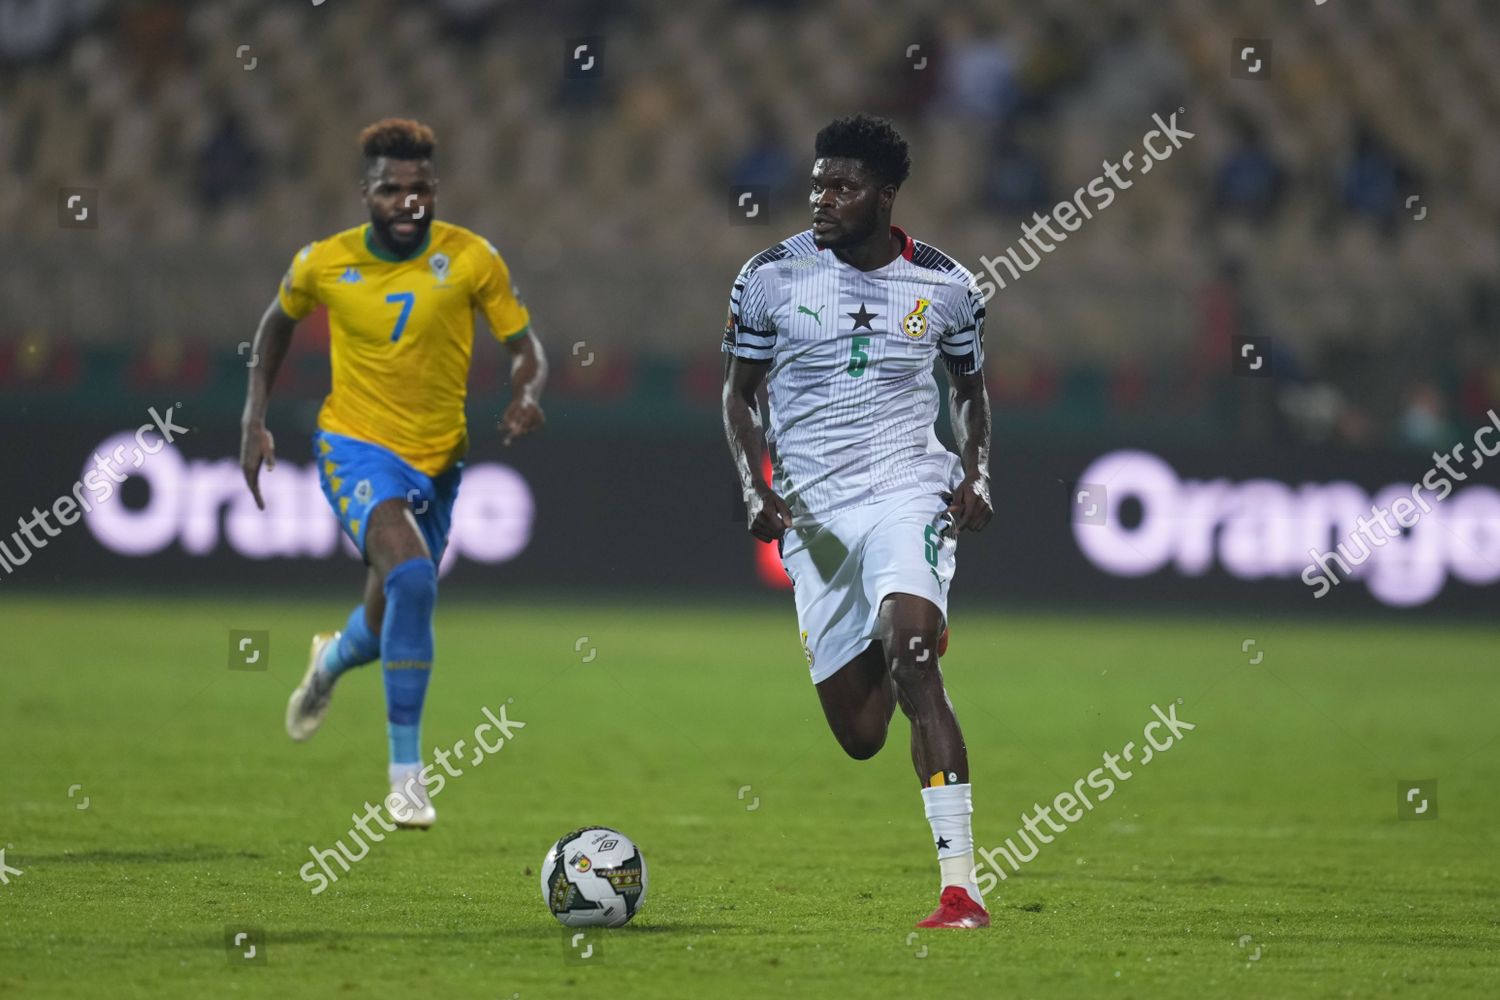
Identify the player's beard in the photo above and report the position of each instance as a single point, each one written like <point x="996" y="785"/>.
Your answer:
<point x="402" y="247"/>
<point x="849" y="237"/>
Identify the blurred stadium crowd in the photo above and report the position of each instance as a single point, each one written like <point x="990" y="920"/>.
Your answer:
<point x="1342" y="202"/>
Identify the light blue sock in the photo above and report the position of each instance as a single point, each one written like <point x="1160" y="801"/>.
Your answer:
<point x="406" y="742"/>
<point x="357" y="646"/>
<point x="406" y="647"/>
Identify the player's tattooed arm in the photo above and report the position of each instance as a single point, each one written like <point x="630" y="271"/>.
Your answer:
<point x="528" y="374"/>
<point x="272" y="338"/>
<point x="767" y="513"/>
<point x="969" y="411"/>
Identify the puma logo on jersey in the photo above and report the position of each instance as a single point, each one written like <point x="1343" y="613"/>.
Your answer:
<point x="815" y="315"/>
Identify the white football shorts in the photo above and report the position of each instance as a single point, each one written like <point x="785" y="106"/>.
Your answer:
<point x="843" y="566"/>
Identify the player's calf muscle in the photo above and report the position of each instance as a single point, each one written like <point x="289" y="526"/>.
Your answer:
<point x="861" y="746"/>
<point x="374" y="601"/>
<point x="861" y="735"/>
<point x="858" y="702"/>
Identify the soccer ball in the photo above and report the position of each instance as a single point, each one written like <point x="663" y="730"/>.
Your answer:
<point x="594" y="877"/>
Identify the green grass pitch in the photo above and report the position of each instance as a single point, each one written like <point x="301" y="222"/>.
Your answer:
<point x="1260" y="856"/>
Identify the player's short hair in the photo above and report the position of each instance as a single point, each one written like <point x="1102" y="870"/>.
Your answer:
<point x="398" y="139"/>
<point x="869" y="139"/>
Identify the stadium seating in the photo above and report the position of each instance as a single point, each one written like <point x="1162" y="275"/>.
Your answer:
<point x="611" y="195"/>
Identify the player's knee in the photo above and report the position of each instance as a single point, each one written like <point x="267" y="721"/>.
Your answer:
<point x="392" y="537"/>
<point x="914" y="660"/>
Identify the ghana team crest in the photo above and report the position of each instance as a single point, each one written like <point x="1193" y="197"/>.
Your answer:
<point x="914" y="323"/>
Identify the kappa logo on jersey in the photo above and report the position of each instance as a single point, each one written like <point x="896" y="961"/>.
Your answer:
<point x="915" y="322"/>
<point x="351" y="275"/>
<point x="439" y="264"/>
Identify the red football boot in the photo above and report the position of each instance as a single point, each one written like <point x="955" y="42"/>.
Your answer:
<point x="957" y="909"/>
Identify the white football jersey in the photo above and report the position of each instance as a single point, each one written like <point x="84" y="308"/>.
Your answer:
<point x="851" y="388"/>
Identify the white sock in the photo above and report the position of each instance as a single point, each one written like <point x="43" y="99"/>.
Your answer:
<point x="949" y="808"/>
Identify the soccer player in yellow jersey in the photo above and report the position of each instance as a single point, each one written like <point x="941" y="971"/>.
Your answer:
<point x="401" y="292"/>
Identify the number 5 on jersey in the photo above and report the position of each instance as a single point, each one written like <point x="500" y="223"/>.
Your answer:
<point x="406" y="299"/>
<point x="858" y="356"/>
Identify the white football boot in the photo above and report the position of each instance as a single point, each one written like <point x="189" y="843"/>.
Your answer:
<point x="309" y="703"/>
<point x="408" y="804"/>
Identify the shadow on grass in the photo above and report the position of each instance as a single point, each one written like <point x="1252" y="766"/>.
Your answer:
<point x="548" y="932"/>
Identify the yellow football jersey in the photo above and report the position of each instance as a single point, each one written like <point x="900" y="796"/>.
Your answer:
<point x="402" y="333"/>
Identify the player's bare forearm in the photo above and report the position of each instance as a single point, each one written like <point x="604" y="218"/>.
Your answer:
<point x="969" y="410"/>
<point x="742" y="427"/>
<point x="767" y="513"/>
<point x="273" y="337"/>
<point x="528" y="375"/>
<point x="528" y="368"/>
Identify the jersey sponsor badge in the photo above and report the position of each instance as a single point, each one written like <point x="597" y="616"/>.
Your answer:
<point x="439" y="264"/>
<point x="914" y="323"/>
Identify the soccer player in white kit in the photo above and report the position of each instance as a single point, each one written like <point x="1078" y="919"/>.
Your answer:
<point x="843" y="323"/>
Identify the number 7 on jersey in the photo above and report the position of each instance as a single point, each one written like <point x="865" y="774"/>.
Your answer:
<point x="406" y="299"/>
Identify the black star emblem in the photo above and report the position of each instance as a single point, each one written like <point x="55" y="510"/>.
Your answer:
<point x="942" y="843"/>
<point x="863" y="317"/>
